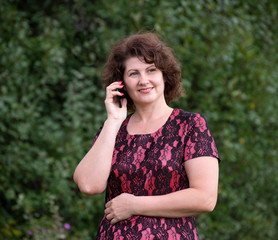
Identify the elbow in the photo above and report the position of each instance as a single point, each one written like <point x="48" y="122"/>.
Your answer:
<point x="88" y="188"/>
<point x="210" y="204"/>
<point x="210" y="207"/>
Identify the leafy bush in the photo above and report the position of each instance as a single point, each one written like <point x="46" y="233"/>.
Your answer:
<point x="51" y="104"/>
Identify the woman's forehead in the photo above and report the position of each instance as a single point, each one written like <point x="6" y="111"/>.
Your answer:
<point x="136" y="63"/>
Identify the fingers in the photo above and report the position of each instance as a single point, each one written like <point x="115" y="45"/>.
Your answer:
<point x="113" y="219"/>
<point x="119" y="208"/>
<point x="108" y="210"/>
<point x="112" y="90"/>
<point x="112" y="100"/>
<point x="108" y="204"/>
<point x="110" y="216"/>
<point x="116" y="107"/>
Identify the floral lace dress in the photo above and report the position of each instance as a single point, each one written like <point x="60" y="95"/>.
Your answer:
<point x="153" y="164"/>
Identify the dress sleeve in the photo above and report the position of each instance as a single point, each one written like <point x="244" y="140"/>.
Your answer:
<point x="199" y="141"/>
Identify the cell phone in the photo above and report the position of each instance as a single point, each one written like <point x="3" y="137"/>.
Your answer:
<point x="119" y="98"/>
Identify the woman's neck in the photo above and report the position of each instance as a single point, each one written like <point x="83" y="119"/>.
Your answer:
<point x="147" y="121"/>
<point x="149" y="113"/>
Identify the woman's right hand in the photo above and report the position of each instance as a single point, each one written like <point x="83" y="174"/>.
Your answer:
<point x="114" y="111"/>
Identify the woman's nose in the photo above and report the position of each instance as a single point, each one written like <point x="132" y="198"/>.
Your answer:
<point x="143" y="79"/>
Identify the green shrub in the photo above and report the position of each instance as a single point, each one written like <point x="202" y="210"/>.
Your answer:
<point x="51" y="105"/>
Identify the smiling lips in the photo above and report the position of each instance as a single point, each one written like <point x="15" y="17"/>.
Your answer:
<point x="146" y="90"/>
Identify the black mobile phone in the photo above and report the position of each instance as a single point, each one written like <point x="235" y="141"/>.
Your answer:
<point x="119" y="98"/>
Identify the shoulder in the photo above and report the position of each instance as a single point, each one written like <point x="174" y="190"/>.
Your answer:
<point x="189" y="121"/>
<point x="188" y="117"/>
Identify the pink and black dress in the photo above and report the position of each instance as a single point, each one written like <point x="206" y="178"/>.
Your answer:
<point x="153" y="164"/>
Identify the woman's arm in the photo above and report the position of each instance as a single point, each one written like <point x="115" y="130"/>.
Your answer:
<point x="201" y="196"/>
<point x="92" y="172"/>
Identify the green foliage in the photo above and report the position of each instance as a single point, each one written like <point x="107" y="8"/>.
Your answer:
<point x="51" y="105"/>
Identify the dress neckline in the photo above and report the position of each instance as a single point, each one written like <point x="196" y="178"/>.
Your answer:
<point x="147" y="134"/>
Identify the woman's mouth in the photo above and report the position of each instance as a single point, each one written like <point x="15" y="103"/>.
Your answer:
<point x="146" y="90"/>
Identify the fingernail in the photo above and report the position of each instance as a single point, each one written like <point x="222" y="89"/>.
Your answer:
<point x="120" y="81"/>
<point x="121" y="85"/>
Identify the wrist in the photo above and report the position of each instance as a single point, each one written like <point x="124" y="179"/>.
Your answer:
<point x="113" y="123"/>
<point x="135" y="205"/>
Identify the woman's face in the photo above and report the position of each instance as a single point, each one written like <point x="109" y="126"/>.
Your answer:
<point x="143" y="82"/>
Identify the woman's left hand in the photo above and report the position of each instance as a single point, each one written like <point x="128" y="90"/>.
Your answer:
<point x="119" y="208"/>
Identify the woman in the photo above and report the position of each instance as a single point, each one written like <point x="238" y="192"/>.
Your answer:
<point x="159" y="165"/>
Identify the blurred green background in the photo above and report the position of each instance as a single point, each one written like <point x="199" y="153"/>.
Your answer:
<point x="51" y="105"/>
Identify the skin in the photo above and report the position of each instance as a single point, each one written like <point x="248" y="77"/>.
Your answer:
<point x="200" y="197"/>
<point x="92" y="172"/>
<point x="145" y="85"/>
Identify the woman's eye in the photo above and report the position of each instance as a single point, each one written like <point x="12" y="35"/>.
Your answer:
<point x="152" y="70"/>
<point x="132" y="74"/>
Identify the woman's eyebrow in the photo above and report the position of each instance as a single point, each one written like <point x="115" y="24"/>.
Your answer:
<point x="133" y="69"/>
<point x="151" y="66"/>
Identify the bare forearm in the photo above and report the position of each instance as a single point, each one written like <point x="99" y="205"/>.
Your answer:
<point x="183" y="203"/>
<point x="200" y="197"/>
<point x="92" y="172"/>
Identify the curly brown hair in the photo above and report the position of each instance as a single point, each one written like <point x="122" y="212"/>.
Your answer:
<point x="149" y="47"/>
